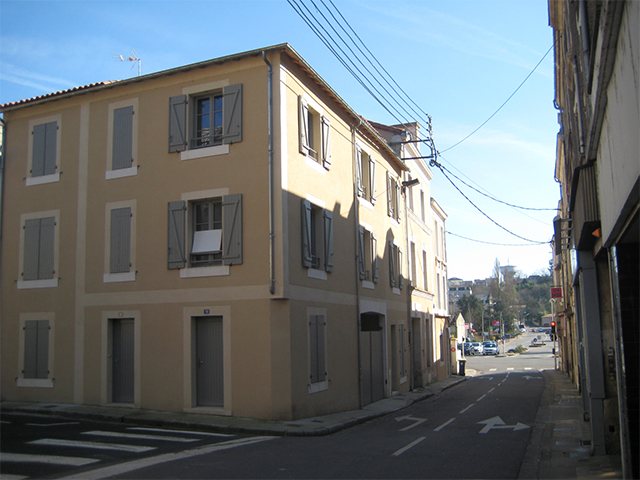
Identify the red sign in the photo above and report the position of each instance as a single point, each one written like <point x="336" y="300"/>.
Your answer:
<point x="496" y="323"/>
<point x="556" y="292"/>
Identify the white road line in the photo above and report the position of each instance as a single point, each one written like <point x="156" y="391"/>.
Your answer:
<point x="13" y="477"/>
<point x="190" y="432"/>
<point x="462" y="411"/>
<point x="51" y="424"/>
<point x="140" y="436"/>
<point x="510" y="368"/>
<point x="122" y="468"/>
<point x="481" y="397"/>
<point x="491" y="390"/>
<point x="493" y="369"/>
<point x="51" y="459"/>
<point x="444" y="425"/>
<point x="96" y="445"/>
<point x="527" y="368"/>
<point x="411" y="445"/>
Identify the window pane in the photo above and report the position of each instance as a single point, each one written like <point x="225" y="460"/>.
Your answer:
<point x="203" y="119"/>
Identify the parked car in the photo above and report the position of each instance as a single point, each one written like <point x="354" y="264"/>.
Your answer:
<point x="490" y="348"/>
<point x="477" y="348"/>
<point x="468" y="348"/>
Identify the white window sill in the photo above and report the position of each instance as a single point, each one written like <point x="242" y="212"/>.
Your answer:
<point x="319" y="387"/>
<point x="365" y="203"/>
<point x="315" y="165"/>
<point x="195" y="272"/>
<point x="121" y="172"/>
<point x="43" y="179"/>
<point x="394" y="222"/>
<point x="317" y="274"/>
<point x="396" y="291"/>
<point x="368" y="285"/>
<point x="26" y="284"/>
<point x="35" y="382"/>
<point x="119" y="277"/>
<point x="204" y="152"/>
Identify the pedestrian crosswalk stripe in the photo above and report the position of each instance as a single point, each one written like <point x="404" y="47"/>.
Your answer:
<point x="139" y="436"/>
<point x="96" y="445"/>
<point x="510" y="368"/>
<point x="13" y="477"/>
<point x="51" y="459"/>
<point x="190" y="432"/>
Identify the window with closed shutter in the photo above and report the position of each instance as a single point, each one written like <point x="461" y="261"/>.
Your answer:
<point x="120" y="253"/>
<point x="44" y="160"/>
<point x="122" y="138"/>
<point x="39" y="245"/>
<point x="36" y="349"/>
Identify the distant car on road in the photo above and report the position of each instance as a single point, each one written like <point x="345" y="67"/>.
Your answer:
<point x="490" y="348"/>
<point x="477" y="348"/>
<point x="468" y="348"/>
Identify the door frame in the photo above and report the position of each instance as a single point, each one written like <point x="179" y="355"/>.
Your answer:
<point x="106" y="379"/>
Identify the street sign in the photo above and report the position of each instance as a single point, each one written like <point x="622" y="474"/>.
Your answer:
<point x="496" y="323"/>
<point x="556" y="292"/>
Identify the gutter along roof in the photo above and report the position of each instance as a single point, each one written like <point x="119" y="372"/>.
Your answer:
<point x="283" y="48"/>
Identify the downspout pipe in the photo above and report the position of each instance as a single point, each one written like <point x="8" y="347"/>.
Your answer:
<point x="3" y="137"/>
<point x="272" y="248"/>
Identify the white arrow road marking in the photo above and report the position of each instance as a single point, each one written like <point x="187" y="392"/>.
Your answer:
<point x="411" y="445"/>
<point x="99" y="433"/>
<point x="51" y="459"/>
<point x="97" y="445"/>
<point x="417" y="421"/>
<point x="122" y="468"/>
<point x="497" y="422"/>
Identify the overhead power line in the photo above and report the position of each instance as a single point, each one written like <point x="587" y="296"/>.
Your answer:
<point x="494" y="243"/>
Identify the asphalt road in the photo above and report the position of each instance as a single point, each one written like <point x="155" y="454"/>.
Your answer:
<point x="477" y="429"/>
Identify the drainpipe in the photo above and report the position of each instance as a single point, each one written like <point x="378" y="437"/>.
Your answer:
<point x="3" y="128"/>
<point x="356" y="204"/>
<point x="272" y="272"/>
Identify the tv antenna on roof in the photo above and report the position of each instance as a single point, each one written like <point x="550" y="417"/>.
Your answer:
<point x="132" y="58"/>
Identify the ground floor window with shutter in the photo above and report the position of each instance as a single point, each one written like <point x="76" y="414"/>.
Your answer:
<point x="39" y="250"/>
<point x="317" y="239"/>
<point x="318" y="379"/>
<point x="35" y="350"/>
<point x="205" y="235"/>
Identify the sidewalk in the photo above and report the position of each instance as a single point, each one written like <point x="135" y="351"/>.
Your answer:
<point x="559" y="447"/>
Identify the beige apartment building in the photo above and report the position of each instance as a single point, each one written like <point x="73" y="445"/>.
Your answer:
<point x="227" y="237"/>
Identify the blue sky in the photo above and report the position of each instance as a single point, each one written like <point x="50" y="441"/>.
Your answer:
<point x="458" y="60"/>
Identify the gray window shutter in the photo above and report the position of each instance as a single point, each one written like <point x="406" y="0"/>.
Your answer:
<point x="178" y="123"/>
<point x="307" y="260"/>
<point x="359" y="177"/>
<point x="39" y="237"/>
<point x="44" y="149"/>
<point x="232" y="229"/>
<point x="328" y="240"/>
<point x="232" y="113"/>
<point x="390" y="190"/>
<point x="36" y="349"/>
<point x="375" y="274"/>
<point x="317" y="359"/>
<point x="326" y="143"/>
<point x="392" y="262"/>
<point x="397" y="200"/>
<point x="372" y="180"/>
<point x="303" y="125"/>
<point x="47" y="244"/>
<point x="400" y="277"/>
<point x="31" y="249"/>
<point x="120" y="260"/>
<point x="122" y="138"/>
<point x="176" y="235"/>
<point x="361" y="254"/>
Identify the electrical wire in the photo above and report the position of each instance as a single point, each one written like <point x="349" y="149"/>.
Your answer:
<point x="505" y="102"/>
<point x="493" y="243"/>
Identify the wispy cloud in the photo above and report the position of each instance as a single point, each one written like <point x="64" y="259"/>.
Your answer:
<point x="27" y="78"/>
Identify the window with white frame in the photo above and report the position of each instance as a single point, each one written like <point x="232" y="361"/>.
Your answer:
<point x="396" y="279"/>
<point x="317" y="237"/>
<point x="425" y="271"/>
<point x="44" y="150"/>
<point x="122" y="141"/>
<point x="119" y="238"/>
<point x="365" y="175"/>
<point x="314" y="132"/>
<point x="205" y="119"/>
<point x="205" y="232"/>
<point x="39" y="250"/>
<point x="393" y="197"/>
<point x="36" y="349"/>
<point x="367" y="255"/>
